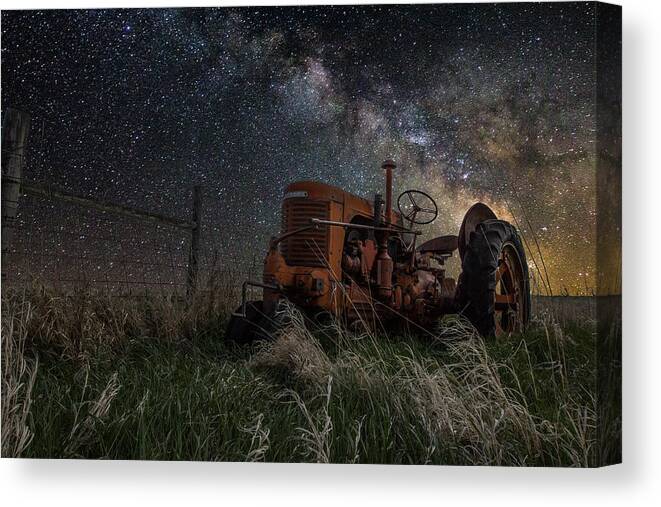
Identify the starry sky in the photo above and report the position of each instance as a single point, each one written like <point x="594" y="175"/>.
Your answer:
<point x="481" y="102"/>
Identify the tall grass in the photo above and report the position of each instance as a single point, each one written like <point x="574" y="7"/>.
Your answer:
<point x="86" y="375"/>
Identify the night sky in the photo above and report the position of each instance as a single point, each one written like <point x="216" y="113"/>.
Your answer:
<point x="474" y="102"/>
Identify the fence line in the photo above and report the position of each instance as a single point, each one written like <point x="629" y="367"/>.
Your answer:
<point x="101" y="205"/>
<point x="19" y="252"/>
<point x="124" y="253"/>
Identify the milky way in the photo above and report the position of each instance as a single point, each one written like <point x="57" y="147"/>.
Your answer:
<point x="473" y="102"/>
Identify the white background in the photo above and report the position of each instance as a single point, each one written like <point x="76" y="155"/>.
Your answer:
<point x="636" y="482"/>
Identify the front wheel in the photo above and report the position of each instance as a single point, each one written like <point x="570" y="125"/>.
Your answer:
<point x="494" y="286"/>
<point x="255" y="325"/>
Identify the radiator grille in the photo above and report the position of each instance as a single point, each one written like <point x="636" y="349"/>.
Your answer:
<point x="308" y="248"/>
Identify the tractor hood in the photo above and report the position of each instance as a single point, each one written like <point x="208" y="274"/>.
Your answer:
<point x="352" y="204"/>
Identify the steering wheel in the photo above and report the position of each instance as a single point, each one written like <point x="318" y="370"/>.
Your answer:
<point x="412" y="203"/>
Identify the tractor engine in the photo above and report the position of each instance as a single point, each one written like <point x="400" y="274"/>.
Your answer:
<point x="386" y="274"/>
<point x="416" y="289"/>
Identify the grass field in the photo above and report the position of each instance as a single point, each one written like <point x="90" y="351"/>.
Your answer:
<point x="90" y="376"/>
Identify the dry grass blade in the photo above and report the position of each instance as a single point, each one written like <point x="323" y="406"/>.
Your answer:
<point x="316" y="437"/>
<point x="95" y="411"/>
<point x="18" y="378"/>
<point x="259" y="442"/>
<point x="294" y="351"/>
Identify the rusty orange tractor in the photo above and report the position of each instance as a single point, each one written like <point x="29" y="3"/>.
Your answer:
<point x="359" y="261"/>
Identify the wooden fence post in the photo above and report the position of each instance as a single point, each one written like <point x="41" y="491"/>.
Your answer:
<point x="194" y="254"/>
<point x="15" y="129"/>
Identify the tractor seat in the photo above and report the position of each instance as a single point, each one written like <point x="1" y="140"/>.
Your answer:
<point x="442" y="245"/>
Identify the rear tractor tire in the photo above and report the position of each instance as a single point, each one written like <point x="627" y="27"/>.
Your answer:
<point x="494" y="287"/>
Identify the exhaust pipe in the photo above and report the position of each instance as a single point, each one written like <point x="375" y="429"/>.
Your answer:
<point x="388" y="165"/>
<point x="384" y="264"/>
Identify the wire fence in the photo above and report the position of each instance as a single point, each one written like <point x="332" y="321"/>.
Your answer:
<point x="71" y="246"/>
<point x="56" y="237"/>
